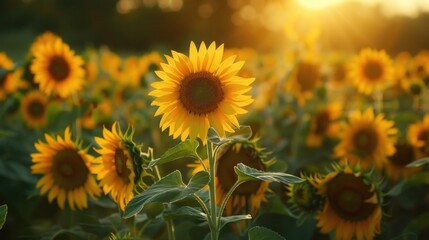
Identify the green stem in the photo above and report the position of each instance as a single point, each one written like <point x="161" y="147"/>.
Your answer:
<point x="170" y="223"/>
<point x="144" y="227"/>
<point x="225" y="200"/>
<point x="214" y="228"/>
<point x="78" y="124"/>
<point x="203" y="205"/>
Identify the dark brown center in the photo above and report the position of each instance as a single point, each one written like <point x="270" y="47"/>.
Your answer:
<point x="59" y="68"/>
<point x="3" y="78"/>
<point x="322" y="122"/>
<point x="365" y="141"/>
<point x="347" y="195"/>
<point x="201" y="93"/>
<point x="308" y="76"/>
<point x="69" y="169"/>
<point x="404" y="154"/>
<point x="36" y="109"/>
<point x="121" y="165"/>
<point x="373" y="70"/>
<point x="226" y="175"/>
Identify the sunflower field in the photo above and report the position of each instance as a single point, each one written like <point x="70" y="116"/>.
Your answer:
<point x="207" y="120"/>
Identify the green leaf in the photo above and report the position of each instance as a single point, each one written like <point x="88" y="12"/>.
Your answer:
<point x="261" y="233"/>
<point x="167" y="190"/>
<point x="234" y="218"/>
<point x="246" y="173"/>
<point x="185" y="211"/>
<point x="3" y="214"/>
<point x="244" y="133"/>
<point x="187" y="148"/>
<point x="419" y="162"/>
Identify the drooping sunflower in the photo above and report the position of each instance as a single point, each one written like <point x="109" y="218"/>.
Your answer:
<point x="7" y="83"/>
<point x="247" y="198"/>
<point x="324" y="124"/>
<point x="200" y="91"/>
<point x="66" y="171"/>
<point x="396" y="167"/>
<point x="57" y="69"/>
<point x="303" y="81"/>
<point x="367" y="139"/>
<point x="34" y="108"/>
<point x="352" y="204"/>
<point x="370" y="70"/>
<point x="418" y="135"/>
<point x="119" y="168"/>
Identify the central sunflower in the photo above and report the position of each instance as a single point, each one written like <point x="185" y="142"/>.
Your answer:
<point x="371" y="69"/>
<point x="352" y="207"/>
<point x="200" y="91"/>
<point x="367" y="139"/>
<point x="66" y="169"/>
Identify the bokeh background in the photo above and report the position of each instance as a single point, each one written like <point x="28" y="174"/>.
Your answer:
<point x="141" y="25"/>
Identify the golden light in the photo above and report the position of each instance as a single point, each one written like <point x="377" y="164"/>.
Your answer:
<point x="318" y="4"/>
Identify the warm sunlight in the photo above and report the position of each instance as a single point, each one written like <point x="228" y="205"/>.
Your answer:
<point x="318" y="4"/>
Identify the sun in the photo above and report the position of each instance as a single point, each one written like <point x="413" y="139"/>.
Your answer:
<point x="318" y="4"/>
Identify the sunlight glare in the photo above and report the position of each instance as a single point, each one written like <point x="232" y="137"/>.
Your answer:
<point x="318" y="4"/>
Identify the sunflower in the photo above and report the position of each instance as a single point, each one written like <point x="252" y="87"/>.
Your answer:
<point x="7" y="83"/>
<point x="199" y="92"/>
<point x="57" y="69"/>
<point x="66" y="171"/>
<point x="303" y="197"/>
<point x="247" y="198"/>
<point x="324" y="124"/>
<point x="367" y="139"/>
<point x="304" y="79"/>
<point x="396" y="166"/>
<point x="150" y="62"/>
<point x="111" y="63"/>
<point x="34" y="108"/>
<point x="119" y="167"/>
<point x="41" y="40"/>
<point x="370" y="70"/>
<point x="352" y="204"/>
<point x="420" y="64"/>
<point x="418" y="135"/>
<point x="91" y="66"/>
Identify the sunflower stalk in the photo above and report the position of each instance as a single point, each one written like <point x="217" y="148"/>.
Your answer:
<point x="169" y="223"/>
<point x="78" y="124"/>
<point x="213" y="223"/>
<point x="225" y="200"/>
